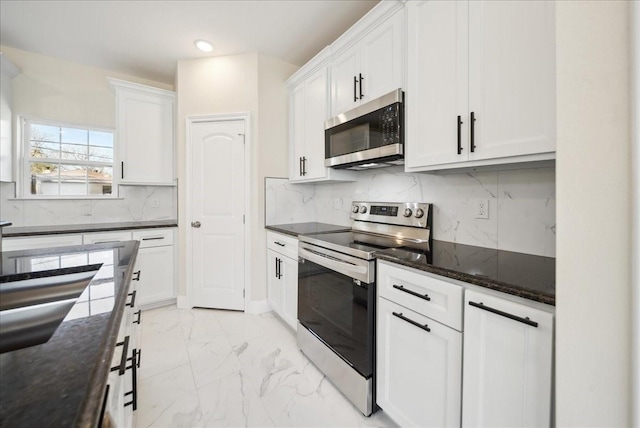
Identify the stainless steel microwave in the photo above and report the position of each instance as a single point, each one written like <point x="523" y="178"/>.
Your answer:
<point x="369" y="136"/>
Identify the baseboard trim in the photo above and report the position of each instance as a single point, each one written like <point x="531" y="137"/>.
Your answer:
<point x="257" y="306"/>
<point x="158" y="304"/>
<point x="182" y="302"/>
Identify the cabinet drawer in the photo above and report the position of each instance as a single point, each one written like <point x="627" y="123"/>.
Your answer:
<point x="422" y="293"/>
<point x="38" y="242"/>
<point x="104" y="237"/>
<point x="153" y="237"/>
<point x="283" y="244"/>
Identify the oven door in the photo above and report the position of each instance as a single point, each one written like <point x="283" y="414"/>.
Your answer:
<point x="339" y="310"/>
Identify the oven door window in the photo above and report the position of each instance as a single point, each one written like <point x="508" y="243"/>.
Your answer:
<point x="338" y="311"/>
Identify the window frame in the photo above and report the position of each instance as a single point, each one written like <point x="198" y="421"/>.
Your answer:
<point x="23" y="187"/>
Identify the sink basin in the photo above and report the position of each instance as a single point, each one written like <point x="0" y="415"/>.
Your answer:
<point x="32" y="309"/>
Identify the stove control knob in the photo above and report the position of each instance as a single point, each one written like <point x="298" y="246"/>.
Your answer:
<point x="363" y="209"/>
<point x="354" y="209"/>
<point x="419" y="213"/>
<point x="407" y="212"/>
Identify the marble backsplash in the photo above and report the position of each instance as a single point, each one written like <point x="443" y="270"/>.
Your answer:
<point x="135" y="203"/>
<point x="522" y="204"/>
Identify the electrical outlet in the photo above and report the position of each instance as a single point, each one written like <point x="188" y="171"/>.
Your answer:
<point x="154" y="203"/>
<point x="482" y="208"/>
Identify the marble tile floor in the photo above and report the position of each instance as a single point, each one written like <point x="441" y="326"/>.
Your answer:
<point x="215" y="368"/>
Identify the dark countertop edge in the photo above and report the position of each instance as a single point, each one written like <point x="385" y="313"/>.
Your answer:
<point x="472" y="279"/>
<point x="23" y="231"/>
<point x="286" y="231"/>
<point x="275" y="228"/>
<point x="89" y="411"/>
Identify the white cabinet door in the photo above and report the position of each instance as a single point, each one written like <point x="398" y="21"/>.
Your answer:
<point x="297" y="140"/>
<point x="512" y="77"/>
<point x="437" y="83"/>
<point x="275" y="288"/>
<point x="507" y="363"/>
<point x="144" y="133"/>
<point x="419" y="373"/>
<point x="315" y="113"/>
<point x="382" y="59"/>
<point x="289" y="271"/>
<point x="345" y="88"/>
<point x="156" y="274"/>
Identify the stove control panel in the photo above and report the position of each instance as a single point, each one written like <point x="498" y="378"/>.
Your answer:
<point x="412" y="214"/>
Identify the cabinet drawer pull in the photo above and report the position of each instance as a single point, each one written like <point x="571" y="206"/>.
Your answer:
<point x="137" y="276"/>
<point x="410" y="321"/>
<point x="104" y="407"/>
<point x="459" y="135"/>
<point x="279" y="243"/>
<point x="526" y="321"/>
<point x="134" y="377"/>
<point x="132" y="303"/>
<point x="153" y="239"/>
<point x="122" y="170"/>
<point x="139" y="314"/>
<point x="413" y="293"/>
<point x="106" y="242"/>
<point x="123" y="359"/>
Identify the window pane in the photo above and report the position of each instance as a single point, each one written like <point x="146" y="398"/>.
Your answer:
<point x="100" y="181"/>
<point x="44" y="150"/>
<point x="73" y="180"/>
<point x="45" y="133"/>
<point x="101" y="154"/>
<point x="98" y="138"/>
<point x="73" y="135"/>
<point x="44" y="178"/>
<point x="74" y="152"/>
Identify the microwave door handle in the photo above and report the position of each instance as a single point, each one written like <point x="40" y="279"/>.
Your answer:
<point x="342" y="267"/>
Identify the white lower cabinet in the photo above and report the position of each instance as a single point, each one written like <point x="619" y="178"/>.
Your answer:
<point x="419" y="360"/>
<point x="155" y="262"/>
<point x="419" y="378"/>
<point x="282" y="276"/>
<point x="508" y="358"/>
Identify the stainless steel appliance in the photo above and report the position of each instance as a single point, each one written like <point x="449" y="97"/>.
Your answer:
<point x="337" y="291"/>
<point x="369" y="136"/>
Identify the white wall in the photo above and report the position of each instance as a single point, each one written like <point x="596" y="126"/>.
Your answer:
<point x="635" y="212"/>
<point x="238" y="83"/>
<point x="55" y="89"/>
<point x="593" y="330"/>
<point x="521" y="204"/>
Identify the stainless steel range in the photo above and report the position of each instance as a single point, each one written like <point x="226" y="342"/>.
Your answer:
<point x="337" y="291"/>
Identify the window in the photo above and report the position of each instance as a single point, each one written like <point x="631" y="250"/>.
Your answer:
<point x="67" y="160"/>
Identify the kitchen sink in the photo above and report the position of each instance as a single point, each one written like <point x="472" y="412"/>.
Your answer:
<point x="31" y="309"/>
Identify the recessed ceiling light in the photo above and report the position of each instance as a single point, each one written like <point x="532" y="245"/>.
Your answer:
<point x="203" y="45"/>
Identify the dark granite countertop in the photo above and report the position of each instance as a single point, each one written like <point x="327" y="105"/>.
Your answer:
<point x="524" y="275"/>
<point x="13" y="231"/>
<point x="295" y="229"/>
<point x="62" y="382"/>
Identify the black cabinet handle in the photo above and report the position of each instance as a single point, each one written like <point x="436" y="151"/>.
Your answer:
<point x="132" y="303"/>
<point x="482" y="306"/>
<point x="473" y="132"/>
<point x="134" y="376"/>
<point x="361" y="79"/>
<point x="355" y="94"/>
<point x="300" y="166"/>
<point x="153" y="239"/>
<point x="122" y="170"/>
<point x="105" y="242"/>
<point x="277" y="273"/>
<point x="279" y="243"/>
<point x="123" y="359"/>
<point x="280" y="268"/>
<point x="137" y="276"/>
<point x="413" y="293"/>
<point x="139" y="357"/>
<point x="139" y="314"/>
<point x="304" y="165"/>
<point x="104" y="407"/>
<point x="402" y="317"/>
<point x="459" y="135"/>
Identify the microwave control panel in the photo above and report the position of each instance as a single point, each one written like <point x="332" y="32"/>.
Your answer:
<point x="390" y="124"/>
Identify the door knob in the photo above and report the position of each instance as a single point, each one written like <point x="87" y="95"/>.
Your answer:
<point x="196" y="224"/>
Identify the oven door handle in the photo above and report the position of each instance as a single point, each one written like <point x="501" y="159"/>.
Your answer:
<point x="346" y="268"/>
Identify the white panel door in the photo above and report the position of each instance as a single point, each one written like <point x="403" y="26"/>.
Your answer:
<point x="507" y="364"/>
<point x="512" y="78"/>
<point x="419" y="376"/>
<point x="382" y="58"/>
<point x="344" y="89"/>
<point x="217" y="210"/>
<point x="437" y="83"/>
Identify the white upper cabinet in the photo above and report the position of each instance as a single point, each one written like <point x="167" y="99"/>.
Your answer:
<point x="308" y="110"/>
<point x="9" y="71"/>
<point x="144" y="133"/>
<point x="369" y="58"/>
<point x="480" y="83"/>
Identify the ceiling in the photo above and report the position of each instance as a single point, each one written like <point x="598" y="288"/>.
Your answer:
<point x="147" y="38"/>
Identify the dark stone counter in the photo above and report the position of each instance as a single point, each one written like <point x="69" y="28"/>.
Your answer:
<point x="524" y="275"/>
<point x="62" y="382"/>
<point x="14" y="232"/>
<point x="295" y="229"/>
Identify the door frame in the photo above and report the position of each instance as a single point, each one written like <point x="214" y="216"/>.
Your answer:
<point x="221" y="117"/>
